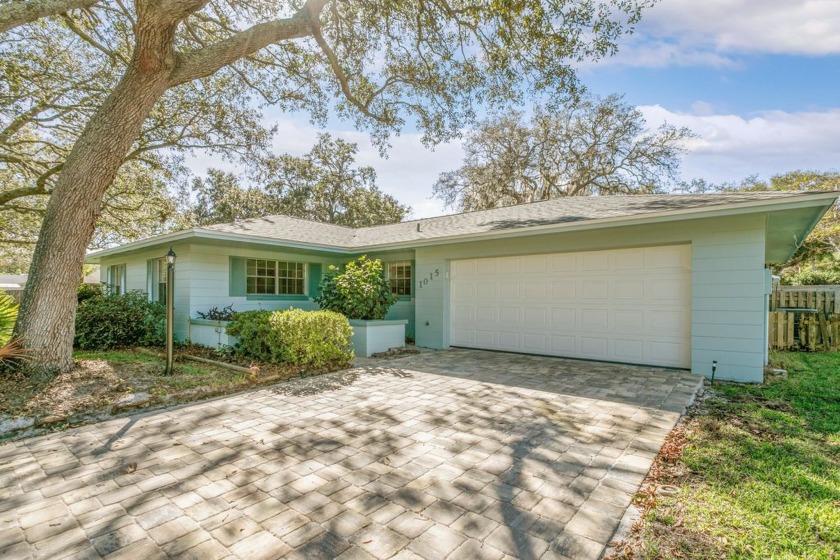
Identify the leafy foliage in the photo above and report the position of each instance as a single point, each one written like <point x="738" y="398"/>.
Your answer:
<point x="818" y="259"/>
<point x="589" y="147"/>
<point x="297" y="337"/>
<point x="253" y="329"/>
<point x="90" y="291"/>
<point x="216" y="314"/>
<point x="118" y="321"/>
<point x="323" y="185"/>
<point x="360" y="291"/>
<point x="8" y="316"/>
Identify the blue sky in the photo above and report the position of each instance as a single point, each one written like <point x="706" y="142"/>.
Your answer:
<point x="757" y="80"/>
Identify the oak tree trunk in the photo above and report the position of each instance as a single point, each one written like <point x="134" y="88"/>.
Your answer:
<point x="47" y="316"/>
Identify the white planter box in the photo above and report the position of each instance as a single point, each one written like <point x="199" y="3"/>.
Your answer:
<point x="371" y="337"/>
<point x="212" y="334"/>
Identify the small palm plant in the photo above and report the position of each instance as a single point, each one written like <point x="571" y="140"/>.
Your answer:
<point x="9" y="349"/>
<point x="8" y="316"/>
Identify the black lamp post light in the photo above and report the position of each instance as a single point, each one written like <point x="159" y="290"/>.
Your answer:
<point x="170" y="310"/>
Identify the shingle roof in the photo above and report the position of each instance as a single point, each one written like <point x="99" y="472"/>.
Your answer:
<point x="550" y="212"/>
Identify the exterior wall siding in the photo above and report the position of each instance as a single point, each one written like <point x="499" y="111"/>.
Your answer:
<point x="727" y="302"/>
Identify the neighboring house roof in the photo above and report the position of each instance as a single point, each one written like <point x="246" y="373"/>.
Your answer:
<point x="551" y="214"/>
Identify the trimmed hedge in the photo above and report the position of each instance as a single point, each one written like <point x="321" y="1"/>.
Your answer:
<point x="116" y="321"/>
<point x="293" y="336"/>
<point x="360" y="291"/>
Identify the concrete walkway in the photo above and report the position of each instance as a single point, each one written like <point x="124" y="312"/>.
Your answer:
<point x="453" y="454"/>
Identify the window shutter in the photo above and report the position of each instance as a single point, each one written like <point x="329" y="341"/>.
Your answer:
<point x="237" y="277"/>
<point x="314" y="280"/>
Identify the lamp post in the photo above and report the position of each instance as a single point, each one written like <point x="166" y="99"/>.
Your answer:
<point x="170" y="309"/>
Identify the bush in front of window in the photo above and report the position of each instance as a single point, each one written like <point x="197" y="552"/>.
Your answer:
<point x="294" y="336"/>
<point x="119" y="321"/>
<point x="358" y="292"/>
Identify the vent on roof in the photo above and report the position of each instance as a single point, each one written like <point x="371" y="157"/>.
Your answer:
<point x="418" y="226"/>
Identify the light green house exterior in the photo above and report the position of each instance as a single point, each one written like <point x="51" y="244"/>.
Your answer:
<point x="717" y="292"/>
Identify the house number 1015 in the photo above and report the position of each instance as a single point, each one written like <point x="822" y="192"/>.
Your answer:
<point x="426" y="279"/>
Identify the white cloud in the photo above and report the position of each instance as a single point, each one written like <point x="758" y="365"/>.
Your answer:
<point x="710" y="32"/>
<point x="731" y="147"/>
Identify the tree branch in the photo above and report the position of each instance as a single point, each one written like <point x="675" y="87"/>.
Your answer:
<point x="204" y="62"/>
<point x="15" y="14"/>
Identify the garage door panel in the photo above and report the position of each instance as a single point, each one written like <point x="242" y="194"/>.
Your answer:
<point x="535" y="342"/>
<point x="486" y="290"/>
<point x="628" y="349"/>
<point x="509" y="265"/>
<point x="594" y="319"/>
<point x="563" y="263"/>
<point x="509" y="290"/>
<point x="629" y="289"/>
<point x="509" y="316"/>
<point x="564" y="289"/>
<point x="595" y="347"/>
<point x="626" y="261"/>
<point x="535" y="317"/>
<point x="534" y="264"/>
<point x="563" y="345"/>
<point x="628" y="305"/>
<point x="485" y="339"/>
<point x="592" y="288"/>
<point x="509" y="340"/>
<point x="563" y="318"/>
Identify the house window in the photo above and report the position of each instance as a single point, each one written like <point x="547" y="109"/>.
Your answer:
<point x="116" y="279"/>
<point x="399" y="278"/>
<point x="161" y="280"/>
<point x="266" y="277"/>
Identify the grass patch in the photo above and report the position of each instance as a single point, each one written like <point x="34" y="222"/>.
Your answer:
<point x="758" y="468"/>
<point x="110" y="382"/>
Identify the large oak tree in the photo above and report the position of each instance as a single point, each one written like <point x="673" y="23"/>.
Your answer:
<point x="381" y="63"/>
<point x="588" y="146"/>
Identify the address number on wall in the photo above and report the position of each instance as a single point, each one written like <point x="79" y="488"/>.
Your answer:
<point x="423" y="282"/>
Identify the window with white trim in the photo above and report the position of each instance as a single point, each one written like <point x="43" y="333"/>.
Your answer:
<point x="267" y="277"/>
<point x="116" y="279"/>
<point x="399" y="278"/>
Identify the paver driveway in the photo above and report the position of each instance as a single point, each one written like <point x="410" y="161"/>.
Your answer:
<point x="454" y="454"/>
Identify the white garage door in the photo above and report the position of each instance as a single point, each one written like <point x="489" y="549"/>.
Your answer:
<point x="627" y="305"/>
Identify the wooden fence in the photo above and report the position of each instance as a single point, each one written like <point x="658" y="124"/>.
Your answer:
<point x="793" y="330"/>
<point x="804" y="320"/>
<point x="824" y="302"/>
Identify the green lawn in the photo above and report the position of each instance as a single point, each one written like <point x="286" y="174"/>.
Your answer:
<point x="759" y="474"/>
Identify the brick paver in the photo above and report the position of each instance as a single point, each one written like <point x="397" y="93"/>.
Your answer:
<point x="452" y="454"/>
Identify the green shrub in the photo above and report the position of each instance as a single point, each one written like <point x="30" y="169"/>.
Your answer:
<point x="116" y="321"/>
<point x="8" y="316"/>
<point x="810" y="275"/>
<point x="89" y="291"/>
<point x="253" y="329"/>
<point x="294" y="336"/>
<point x="359" y="292"/>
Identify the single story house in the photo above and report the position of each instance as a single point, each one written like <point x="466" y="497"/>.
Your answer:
<point x="669" y="280"/>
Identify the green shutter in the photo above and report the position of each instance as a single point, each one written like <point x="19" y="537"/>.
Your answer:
<point x="238" y="277"/>
<point x="314" y="280"/>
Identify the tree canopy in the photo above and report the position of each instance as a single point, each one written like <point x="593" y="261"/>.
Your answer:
<point x="591" y="146"/>
<point x="377" y="63"/>
<point x="323" y="185"/>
